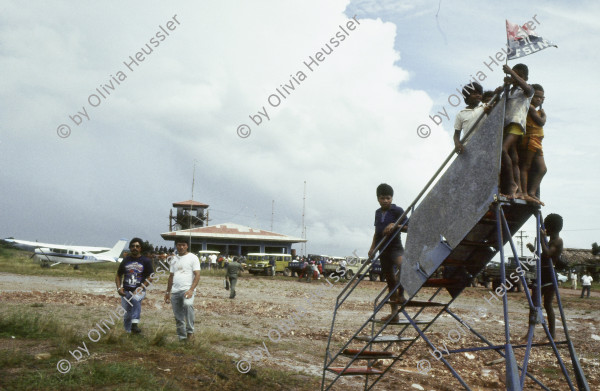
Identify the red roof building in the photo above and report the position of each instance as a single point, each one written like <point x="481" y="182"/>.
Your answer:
<point x="235" y="239"/>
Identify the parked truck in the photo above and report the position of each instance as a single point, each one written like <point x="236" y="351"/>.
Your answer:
<point x="259" y="263"/>
<point x="491" y="274"/>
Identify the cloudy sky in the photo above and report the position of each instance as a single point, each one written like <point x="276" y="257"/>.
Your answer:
<point x="343" y="126"/>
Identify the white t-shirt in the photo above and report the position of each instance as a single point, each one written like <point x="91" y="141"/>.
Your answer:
<point x="183" y="269"/>
<point x="466" y="118"/>
<point x="586" y="280"/>
<point x="213" y="258"/>
<point x="517" y="107"/>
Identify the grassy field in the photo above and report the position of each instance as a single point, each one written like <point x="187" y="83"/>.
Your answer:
<point x="36" y="338"/>
<point x="121" y="361"/>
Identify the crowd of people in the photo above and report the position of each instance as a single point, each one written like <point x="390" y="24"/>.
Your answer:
<point x="214" y="261"/>
<point x="207" y="261"/>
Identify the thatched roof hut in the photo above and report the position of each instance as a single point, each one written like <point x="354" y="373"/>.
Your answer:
<point x="579" y="256"/>
<point x="582" y="260"/>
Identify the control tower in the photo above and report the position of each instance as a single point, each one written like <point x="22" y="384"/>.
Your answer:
<point x="188" y="214"/>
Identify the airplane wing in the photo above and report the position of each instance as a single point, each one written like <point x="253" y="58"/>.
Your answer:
<point x="31" y="246"/>
<point x="27" y="245"/>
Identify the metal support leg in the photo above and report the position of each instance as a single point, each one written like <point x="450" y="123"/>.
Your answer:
<point x="512" y="372"/>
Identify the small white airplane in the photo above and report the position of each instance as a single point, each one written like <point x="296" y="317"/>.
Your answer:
<point x="71" y="255"/>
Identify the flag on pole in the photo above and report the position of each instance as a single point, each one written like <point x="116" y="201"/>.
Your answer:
<point x="522" y="41"/>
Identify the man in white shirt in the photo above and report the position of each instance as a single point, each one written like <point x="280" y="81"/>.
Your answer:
<point x="586" y="284"/>
<point x="573" y="280"/>
<point x="213" y="261"/>
<point x="184" y="277"/>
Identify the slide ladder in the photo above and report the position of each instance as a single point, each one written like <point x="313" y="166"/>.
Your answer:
<point x="457" y="224"/>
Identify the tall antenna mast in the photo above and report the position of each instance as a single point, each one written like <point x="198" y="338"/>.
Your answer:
<point x="190" y="215"/>
<point x="272" y="213"/>
<point x="193" y="179"/>
<point x="303" y="226"/>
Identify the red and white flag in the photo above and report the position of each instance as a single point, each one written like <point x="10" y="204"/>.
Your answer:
<point x="522" y="41"/>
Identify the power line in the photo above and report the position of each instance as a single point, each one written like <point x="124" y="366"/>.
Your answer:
<point x="521" y="241"/>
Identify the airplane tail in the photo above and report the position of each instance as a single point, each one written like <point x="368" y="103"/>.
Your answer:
<point x="116" y="251"/>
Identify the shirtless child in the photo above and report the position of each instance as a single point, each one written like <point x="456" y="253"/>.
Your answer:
<point x="550" y="255"/>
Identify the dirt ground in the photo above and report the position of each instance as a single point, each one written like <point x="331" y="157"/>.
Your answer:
<point x="276" y="314"/>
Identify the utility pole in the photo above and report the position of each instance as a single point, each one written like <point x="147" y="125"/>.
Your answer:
<point x="520" y="237"/>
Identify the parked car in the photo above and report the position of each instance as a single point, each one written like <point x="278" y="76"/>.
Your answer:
<point x="258" y="263"/>
<point x="353" y="265"/>
<point x="561" y="277"/>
